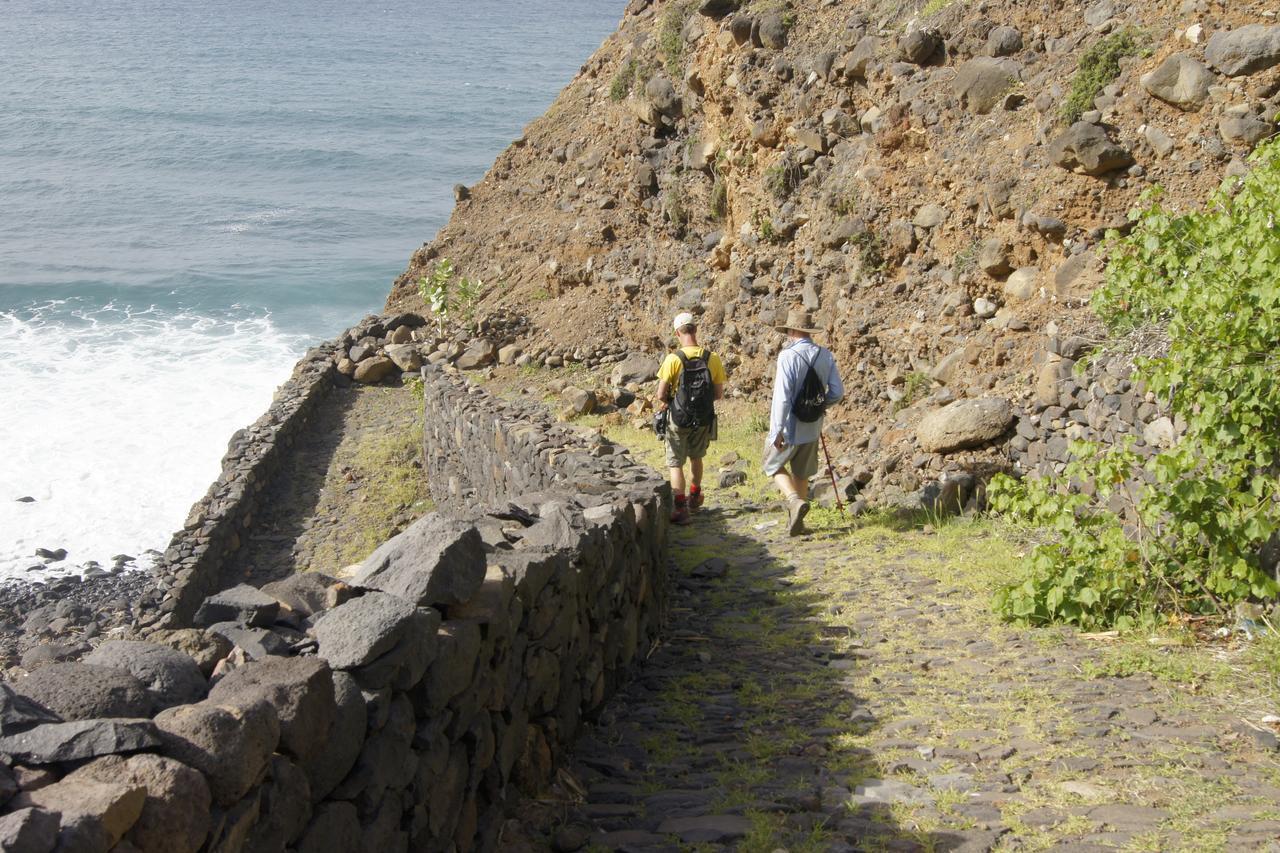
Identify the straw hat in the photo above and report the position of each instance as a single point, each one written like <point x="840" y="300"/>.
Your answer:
<point x="800" y="320"/>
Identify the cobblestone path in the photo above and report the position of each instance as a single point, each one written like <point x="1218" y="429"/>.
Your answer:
<point x="841" y="692"/>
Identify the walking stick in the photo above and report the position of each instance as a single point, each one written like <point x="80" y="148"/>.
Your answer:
<point x="832" y="471"/>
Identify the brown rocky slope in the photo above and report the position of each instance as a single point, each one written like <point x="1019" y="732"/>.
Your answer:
<point x="933" y="179"/>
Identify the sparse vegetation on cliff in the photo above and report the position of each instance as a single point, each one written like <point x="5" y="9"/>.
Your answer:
<point x="1182" y="530"/>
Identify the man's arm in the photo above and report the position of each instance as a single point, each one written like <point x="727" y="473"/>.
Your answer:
<point x="835" y="388"/>
<point x="663" y="397"/>
<point x="719" y="386"/>
<point x="778" y="410"/>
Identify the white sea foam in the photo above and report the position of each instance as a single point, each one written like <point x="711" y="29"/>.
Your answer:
<point x="115" y="421"/>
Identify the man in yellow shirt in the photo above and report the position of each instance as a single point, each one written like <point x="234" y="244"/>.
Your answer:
<point x="697" y="376"/>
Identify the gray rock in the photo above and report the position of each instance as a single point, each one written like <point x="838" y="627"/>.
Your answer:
<point x="993" y="259"/>
<point x="374" y="370"/>
<point x="308" y="593"/>
<point x="964" y="423"/>
<point x="930" y="216"/>
<point x="171" y="677"/>
<point x="204" y="647"/>
<point x="342" y="742"/>
<point x="81" y="691"/>
<point x="1245" y="130"/>
<point x="229" y="744"/>
<point x="28" y="831"/>
<point x="920" y="45"/>
<point x="243" y="604"/>
<point x="175" y="815"/>
<point x="635" y="368"/>
<point x="1100" y="13"/>
<point x="706" y="829"/>
<point x="1160" y="142"/>
<point x="285" y="809"/>
<point x="578" y="401"/>
<point x="984" y="309"/>
<point x="56" y="742"/>
<point x="334" y="826"/>
<point x="1246" y="50"/>
<point x="479" y="353"/>
<point x="1004" y="41"/>
<point x="1085" y="147"/>
<point x="301" y="691"/>
<point x="405" y="356"/>
<point x="857" y="61"/>
<point x="1023" y="284"/>
<point x="19" y="713"/>
<point x="982" y="82"/>
<point x="718" y="8"/>
<point x="109" y="807"/>
<point x="436" y="561"/>
<point x="1179" y="80"/>
<point x="257" y="643"/>
<point x="358" y="632"/>
<point x="773" y="31"/>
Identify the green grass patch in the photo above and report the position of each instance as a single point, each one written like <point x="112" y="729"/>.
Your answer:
<point x="671" y="35"/>
<point x="1098" y="67"/>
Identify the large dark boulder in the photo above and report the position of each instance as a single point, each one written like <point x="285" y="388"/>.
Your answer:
<point x="1087" y="148"/>
<point x="362" y="630"/>
<point x="170" y="676"/>
<point x="20" y="713"/>
<point x="436" y="561"/>
<point x="243" y="604"/>
<point x="229" y="744"/>
<point x="301" y="691"/>
<point x="175" y="817"/>
<point x="82" y="691"/>
<point x="56" y="742"/>
<point x="1246" y="50"/>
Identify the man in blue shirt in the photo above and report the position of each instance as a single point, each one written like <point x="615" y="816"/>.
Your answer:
<point x="791" y="450"/>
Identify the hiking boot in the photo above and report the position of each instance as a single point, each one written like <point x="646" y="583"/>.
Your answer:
<point x="797" y="509"/>
<point x="680" y="515"/>
<point x="695" y="501"/>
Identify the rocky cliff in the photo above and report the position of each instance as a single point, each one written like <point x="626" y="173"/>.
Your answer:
<point x="935" y="180"/>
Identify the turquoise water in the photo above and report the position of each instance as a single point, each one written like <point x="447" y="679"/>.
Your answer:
<point x="192" y="193"/>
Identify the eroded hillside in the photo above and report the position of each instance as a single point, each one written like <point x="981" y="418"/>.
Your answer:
<point x="934" y="180"/>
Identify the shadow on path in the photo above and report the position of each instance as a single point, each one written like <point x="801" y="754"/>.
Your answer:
<point x="734" y="735"/>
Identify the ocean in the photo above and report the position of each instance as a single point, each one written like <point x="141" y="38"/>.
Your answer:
<point x="191" y="194"/>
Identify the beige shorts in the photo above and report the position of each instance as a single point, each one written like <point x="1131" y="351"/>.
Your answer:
<point x="685" y="443"/>
<point x="801" y="458"/>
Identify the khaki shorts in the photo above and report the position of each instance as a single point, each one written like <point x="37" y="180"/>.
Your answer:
<point x="684" y="443"/>
<point x="803" y="459"/>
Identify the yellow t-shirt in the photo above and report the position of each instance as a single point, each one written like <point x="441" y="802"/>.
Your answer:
<point x="669" y="372"/>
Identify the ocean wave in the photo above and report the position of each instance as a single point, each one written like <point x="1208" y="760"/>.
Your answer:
<point x="117" y="418"/>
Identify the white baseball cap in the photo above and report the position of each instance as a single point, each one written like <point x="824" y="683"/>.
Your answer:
<point x="683" y="319"/>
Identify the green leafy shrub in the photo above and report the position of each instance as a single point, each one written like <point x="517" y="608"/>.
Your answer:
<point x="446" y="298"/>
<point x="1137" y="536"/>
<point x="870" y="251"/>
<point x="671" y="35"/>
<point x="719" y="204"/>
<point x="623" y="81"/>
<point x="1097" y="68"/>
<point x="781" y="179"/>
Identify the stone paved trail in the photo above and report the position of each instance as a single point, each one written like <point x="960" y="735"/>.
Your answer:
<point x="349" y="483"/>
<point x="839" y="693"/>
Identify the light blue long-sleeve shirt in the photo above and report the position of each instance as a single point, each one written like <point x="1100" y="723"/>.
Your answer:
<point x="793" y="364"/>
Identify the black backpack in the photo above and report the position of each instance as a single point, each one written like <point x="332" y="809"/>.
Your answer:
<point x="811" y="402"/>
<point x="695" y="399"/>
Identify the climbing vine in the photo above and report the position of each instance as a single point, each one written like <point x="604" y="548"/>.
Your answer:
<point x="1138" y="535"/>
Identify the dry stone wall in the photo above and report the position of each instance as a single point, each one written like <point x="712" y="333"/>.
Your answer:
<point x="401" y="709"/>
<point x="193" y="563"/>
